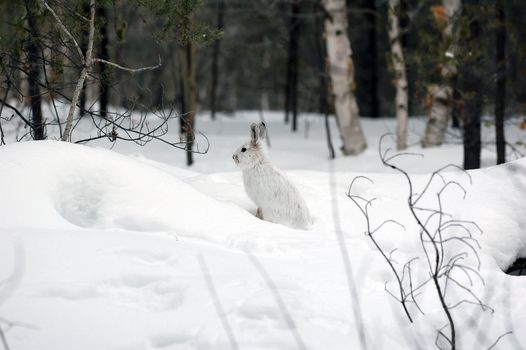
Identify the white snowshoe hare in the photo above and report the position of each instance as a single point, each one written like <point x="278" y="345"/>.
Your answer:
<point x="276" y="197"/>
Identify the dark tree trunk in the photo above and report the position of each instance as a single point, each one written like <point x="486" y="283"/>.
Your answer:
<point x="456" y="113"/>
<point x="500" y="98"/>
<point x="188" y="97"/>
<point x="324" y="83"/>
<point x="404" y="31"/>
<point x="472" y="89"/>
<point x="372" y="55"/>
<point x="291" y="87"/>
<point x="104" y="85"/>
<point x="404" y="23"/>
<point x="363" y="35"/>
<point x="215" y="59"/>
<point x="6" y="94"/>
<point x="472" y="115"/>
<point x="34" y="73"/>
<point x="84" y="48"/>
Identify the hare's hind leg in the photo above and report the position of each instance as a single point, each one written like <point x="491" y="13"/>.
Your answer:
<point x="259" y="213"/>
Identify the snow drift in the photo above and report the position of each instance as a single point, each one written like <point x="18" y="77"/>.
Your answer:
<point x="120" y="253"/>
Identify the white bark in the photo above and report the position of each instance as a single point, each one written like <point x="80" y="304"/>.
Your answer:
<point x="400" y="79"/>
<point x="341" y="71"/>
<point x="442" y="95"/>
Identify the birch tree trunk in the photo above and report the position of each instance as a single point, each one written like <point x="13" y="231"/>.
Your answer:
<point x="341" y="71"/>
<point x="322" y="73"/>
<point x="442" y="94"/>
<point x="83" y="74"/>
<point x="400" y="76"/>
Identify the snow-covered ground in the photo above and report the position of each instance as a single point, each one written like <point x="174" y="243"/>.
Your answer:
<point x="129" y="249"/>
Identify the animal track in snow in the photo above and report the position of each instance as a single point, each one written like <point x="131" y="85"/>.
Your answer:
<point x="148" y="291"/>
<point x="73" y="291"/>
<point x="170" y="339"/>
<point x="146" y="257"/>
<point x="152" y="292"/>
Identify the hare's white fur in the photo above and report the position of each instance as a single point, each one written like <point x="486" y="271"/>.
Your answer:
<point x="276" y="197"/>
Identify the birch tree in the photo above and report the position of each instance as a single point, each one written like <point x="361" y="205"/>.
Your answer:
<point x="400" y="76"/>
<point x="441" y="94"/>
<point x="341" y="71"/>
<point x="87" y="61"/>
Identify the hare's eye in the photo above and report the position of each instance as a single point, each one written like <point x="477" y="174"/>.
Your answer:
<point x="243" y="149"/>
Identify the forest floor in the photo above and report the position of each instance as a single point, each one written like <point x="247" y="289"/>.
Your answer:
<point x="130" y="249"/>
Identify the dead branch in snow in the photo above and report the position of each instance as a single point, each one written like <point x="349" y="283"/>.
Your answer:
<point x="364" y="204"/>
<point x="449" y="246"/>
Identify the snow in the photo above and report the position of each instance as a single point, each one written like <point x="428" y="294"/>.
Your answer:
<point x="128" y="249"/>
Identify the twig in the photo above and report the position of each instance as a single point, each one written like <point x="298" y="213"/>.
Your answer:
<point x="434" y="242"/>
<point x="131" y="70"/>
<point x="498" y="339"/>
<point x="370" y="235"/>
<point x="17" y="112"/>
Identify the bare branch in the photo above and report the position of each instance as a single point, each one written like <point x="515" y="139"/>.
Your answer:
<point x="433" y="241"/>
<point x="369" y="233"/>
<point x="498" y="339"/>
<point x="17" y="112"/>
<point x="131" y="70"/>
<point x="65" y="30"/>
<point x="390" y="221"/>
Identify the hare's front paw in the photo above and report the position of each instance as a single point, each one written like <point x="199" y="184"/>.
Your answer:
<point x="259" y="213"/>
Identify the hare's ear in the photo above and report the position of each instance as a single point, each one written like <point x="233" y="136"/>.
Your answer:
<point x="254" y="134"/>
<point x="262" y="130"/>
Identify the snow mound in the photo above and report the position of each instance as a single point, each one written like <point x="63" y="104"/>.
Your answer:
<point x="97" y="230"/>
<point x="57" y="184"/>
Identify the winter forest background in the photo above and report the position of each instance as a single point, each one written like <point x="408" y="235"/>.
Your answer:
<point x="124" y="223"/>
<point x="454" y="60"/>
